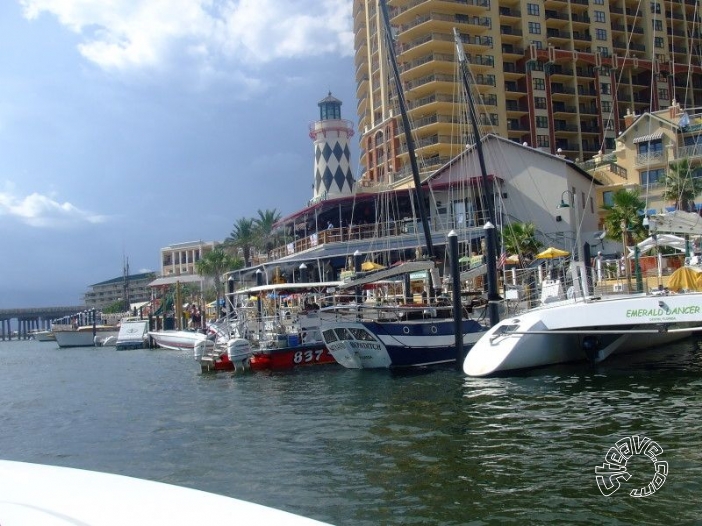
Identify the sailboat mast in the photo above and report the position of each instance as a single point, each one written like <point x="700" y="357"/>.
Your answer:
<point x="491" y="242"/>
<point x="421" y="205"/>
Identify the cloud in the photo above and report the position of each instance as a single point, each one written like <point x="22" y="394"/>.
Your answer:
<point x="127" y="35"/>
<point x="44" y="212"/>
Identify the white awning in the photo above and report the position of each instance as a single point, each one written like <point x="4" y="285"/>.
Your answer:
<point x="170" y="280"/>
<point x="649" y="138"/>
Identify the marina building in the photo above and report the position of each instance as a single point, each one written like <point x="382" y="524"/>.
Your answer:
<point x="134" y="288"/>
<point x="180" y="259"/>
<point x="556" y="75"/>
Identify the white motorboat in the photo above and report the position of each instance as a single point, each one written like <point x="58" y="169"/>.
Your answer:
<point x="51" y="495"/>
<point x="182" y="340"/>
<point x="86" y="336"/>
<point x="133" y="334"/>
<point x="43" y="336"/>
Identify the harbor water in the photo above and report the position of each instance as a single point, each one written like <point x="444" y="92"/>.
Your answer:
<point x="429" y="447"/>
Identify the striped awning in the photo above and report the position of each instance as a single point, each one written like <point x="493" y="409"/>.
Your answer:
<point x="649" y="138"/>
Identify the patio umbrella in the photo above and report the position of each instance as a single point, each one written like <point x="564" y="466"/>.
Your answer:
<point x="551" y="253"/>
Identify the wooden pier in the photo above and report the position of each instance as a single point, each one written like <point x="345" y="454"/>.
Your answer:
<point x="32" y="319"/>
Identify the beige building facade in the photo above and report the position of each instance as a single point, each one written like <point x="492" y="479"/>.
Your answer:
<point x="557" y="75"/>
<point x="180" y="259"/>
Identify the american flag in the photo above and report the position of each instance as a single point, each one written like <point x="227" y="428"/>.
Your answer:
<point x="502" y="260"/>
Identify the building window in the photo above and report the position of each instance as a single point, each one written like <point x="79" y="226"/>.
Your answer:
<point x="535" y="28"/>
<point x="539" y="84"/>
<point x="533" y="9"/>
<point x="603" y="50"/>
<point x="598" y="2"/>
<point x="652" y="177"/>
<point x="540" y="103"/>
<point x="605" y="88"/>
<point x="537" y="44"/>
<point x="599" y="16"/>
<point x="655" y="8"/>
<point x="601" y="34"/>
<point x="542" y="141"/>
<point x="650" y="147"/>
<point x="657" y="24"/>
<point x="541" y="122"/>
<point x="658" y="42"/>
<point x="606" y="106"/>
<point x="663" y="93"/>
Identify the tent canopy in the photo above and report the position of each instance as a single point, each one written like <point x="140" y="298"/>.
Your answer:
<point x="661" y="240"/>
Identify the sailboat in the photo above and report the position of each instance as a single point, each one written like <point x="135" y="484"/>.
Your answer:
<point x="394" y="336"/>
<point x="594" y="327"/>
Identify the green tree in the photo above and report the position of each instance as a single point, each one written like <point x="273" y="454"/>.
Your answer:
<point x="626" y="209"/>
<point x="214" y="264"/>
<point x="264" y="228"/>
<point x="520" y="238"/>
<point x="243" y="236"/>
<point x="681" y="187"/>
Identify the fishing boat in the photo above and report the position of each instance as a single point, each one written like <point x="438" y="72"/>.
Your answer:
<point x="409" y="335"/>
<point x="41" y="494"/>
<point x="282" y="321"/>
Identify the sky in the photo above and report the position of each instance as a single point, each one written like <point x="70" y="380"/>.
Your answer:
<point x="130" y="125"/>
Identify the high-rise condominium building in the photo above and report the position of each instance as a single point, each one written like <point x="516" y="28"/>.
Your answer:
<point x="558" y="75"/>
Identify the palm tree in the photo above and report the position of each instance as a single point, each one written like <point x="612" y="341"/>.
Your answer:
<point x="625" y="209"/>
<point x="681" y="187"/>
<point x="520" y="238"/>
<point x="214" y="264"/>
<point x="264" y="227"/>
<point x="243" y="236"/>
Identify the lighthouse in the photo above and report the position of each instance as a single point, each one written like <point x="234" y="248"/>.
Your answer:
<point x="332" y="166"/>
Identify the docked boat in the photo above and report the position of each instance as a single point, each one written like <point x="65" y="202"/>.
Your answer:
<point x="133" y="334"/>
<point x="406" y="335"/>
<point x="86" y="336"/>
<point x="592" y="327"/>
<point x="283" y="334"/>
<point x="178" y="340"/>
<point x="43" y="336"/>
<point x="52" y="495"/>
<point x="369" y="336"/>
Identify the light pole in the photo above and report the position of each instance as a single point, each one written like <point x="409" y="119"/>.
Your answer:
<point x="572" y="201"/>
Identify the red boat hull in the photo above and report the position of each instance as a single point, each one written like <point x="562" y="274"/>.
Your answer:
<point x="291" y="357"/>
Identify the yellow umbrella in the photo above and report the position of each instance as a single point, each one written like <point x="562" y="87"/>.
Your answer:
<point x="370" y="265"/>
<point x="551" y="253"/>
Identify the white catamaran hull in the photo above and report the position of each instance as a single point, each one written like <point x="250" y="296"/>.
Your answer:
<point x="576" y="331"/>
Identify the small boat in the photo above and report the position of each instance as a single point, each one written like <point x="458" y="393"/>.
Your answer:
<point x="133" y="334"/>
<point x="53" y="495"/>
<point x="182" y="340"/>
<point x="43" y="336"/>
<point x="86" y="336"/>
